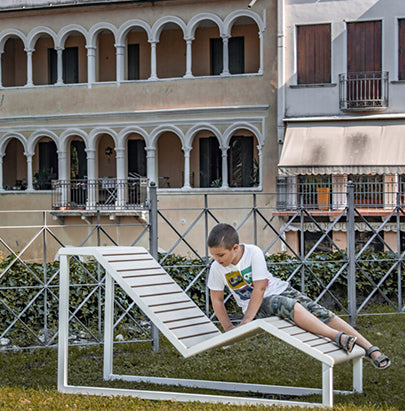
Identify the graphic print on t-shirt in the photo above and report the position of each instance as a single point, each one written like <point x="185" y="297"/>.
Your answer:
<point x="239" y="282"/>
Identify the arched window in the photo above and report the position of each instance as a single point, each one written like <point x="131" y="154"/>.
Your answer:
<point x="14" y="63"/>
<point x="170" y="161"/>
<point x="14" y="166"/>
<point x="243" y="163"/>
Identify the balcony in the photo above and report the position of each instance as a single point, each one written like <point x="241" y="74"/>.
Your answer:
<point x="326" y="199"/>
<point x="363" y="91"/>
<point x="103" y="194"/>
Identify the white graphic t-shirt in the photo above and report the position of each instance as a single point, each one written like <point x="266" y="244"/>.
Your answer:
<point x="239" y="278"/>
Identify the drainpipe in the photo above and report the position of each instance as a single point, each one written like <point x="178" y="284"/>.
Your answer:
<point x="280" y="73"/>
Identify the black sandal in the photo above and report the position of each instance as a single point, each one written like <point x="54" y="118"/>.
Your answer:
<point x="377" y="362"/>
<point x="348" y="343"/>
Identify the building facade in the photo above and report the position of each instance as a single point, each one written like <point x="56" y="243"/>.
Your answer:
<point x="342" y="112"/>
<point x="99" y="97"/>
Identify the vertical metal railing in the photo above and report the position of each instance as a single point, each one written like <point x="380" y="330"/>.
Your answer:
<point x="363" y="90"/>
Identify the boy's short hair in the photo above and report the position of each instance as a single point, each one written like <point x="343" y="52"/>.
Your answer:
<point x="223" y="235"/>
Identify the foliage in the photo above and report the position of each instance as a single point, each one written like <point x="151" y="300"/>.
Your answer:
<point x="30" y="290"/>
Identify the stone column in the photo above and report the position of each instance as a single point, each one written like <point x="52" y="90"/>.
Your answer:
<point x="29" y="156"/>
<point x="59" y="66"/>
<point x="120" y="62"/>
<point x="1" y="80"/>
<point x="153" y="73"/>
<point x="189" y="55"/>
<point x="29" y="67"/>
<point x="121" y="180"/>
<point x="91" y="65"/>
<point x="261" y="52"/>
<point x="1" y="170"/>
<point x="151" y="163"/>
<point x="91" y="180"/>
<point x="186" y="182"/>
<point x="62" y="177"/>
<point x="225" y="57"/>
<point x="260" y="165"/>
<point x="224" y="150"/>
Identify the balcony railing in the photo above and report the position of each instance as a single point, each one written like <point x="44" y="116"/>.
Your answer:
<point x="333" y="196"/>
<point x="100" y="194"/>
<point x="367" y="90"/>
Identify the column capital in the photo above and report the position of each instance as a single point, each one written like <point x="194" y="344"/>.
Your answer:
<point x="61" y="154"/>
<point x="120" y="151"/>
<point x="186" y="149"/>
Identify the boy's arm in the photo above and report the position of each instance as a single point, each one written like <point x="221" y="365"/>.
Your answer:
<point x="217" y="300"/>
<point x="255" y="302"/>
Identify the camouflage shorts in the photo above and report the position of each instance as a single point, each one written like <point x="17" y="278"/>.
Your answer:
<point x="283" y="306"/>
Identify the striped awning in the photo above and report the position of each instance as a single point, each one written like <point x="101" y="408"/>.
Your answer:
<point x="343" y="149"/>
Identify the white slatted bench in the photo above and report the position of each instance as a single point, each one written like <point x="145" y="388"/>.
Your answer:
<point x="183" y="323"/>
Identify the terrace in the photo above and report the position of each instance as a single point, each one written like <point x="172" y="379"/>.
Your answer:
<point x="324" y="196"/>
<point x="99" y="194"/>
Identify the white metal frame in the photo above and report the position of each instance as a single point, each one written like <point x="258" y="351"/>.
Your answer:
<point x="271" y="325"/>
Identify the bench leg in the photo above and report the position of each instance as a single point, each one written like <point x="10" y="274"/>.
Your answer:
<point x="358" y="375"/>
<point x="327" y="385"/>
<point x="108" y="327"/>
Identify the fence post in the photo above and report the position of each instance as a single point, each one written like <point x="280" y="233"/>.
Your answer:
<point x="398" y="219"/>
<point x="254" y="219"/>
<point x="45" y="257"/>
<point x="153" y="247"/>
<point x="351" y="255"/>
<point x="207" y="293"/>
<point x="302" y="242"/>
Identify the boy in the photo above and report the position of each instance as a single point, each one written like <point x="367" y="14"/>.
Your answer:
<point x="242" y="268"/>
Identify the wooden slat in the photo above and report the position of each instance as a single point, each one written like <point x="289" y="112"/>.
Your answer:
<point x="188" y="332"/>
<point x="165" y="299"/>
<point x="131" y="265"/>
<point x="172" y="307"/>
<point x="179" y="315"/>
<point x="152" y="291"/>
<point x="190" y="342"/>
<point x="147" y="281"/>
<point x="190" y="323"/>
<point x="140" y="273"/>
<point x="127" y="257"/>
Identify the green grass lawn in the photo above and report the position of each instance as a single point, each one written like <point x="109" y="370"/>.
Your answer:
<point x="28" y="379"/>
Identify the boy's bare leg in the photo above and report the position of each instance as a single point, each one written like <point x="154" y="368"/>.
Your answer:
<point x="304" y="319"/>
<point x="338" y="324"/>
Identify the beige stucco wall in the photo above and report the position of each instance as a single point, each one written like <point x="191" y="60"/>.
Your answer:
<point x="146" y="102"/>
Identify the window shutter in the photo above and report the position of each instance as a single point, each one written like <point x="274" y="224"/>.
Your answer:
<point x="401" y="49"/>
<point x="314" y="54"/>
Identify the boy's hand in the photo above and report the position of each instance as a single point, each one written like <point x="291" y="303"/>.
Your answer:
<point x="259" y="287"/>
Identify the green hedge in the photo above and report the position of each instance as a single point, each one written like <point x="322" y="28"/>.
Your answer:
<point x="23" y="282"/>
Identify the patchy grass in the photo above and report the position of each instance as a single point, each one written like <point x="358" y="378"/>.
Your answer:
<point x="28" y="379"/>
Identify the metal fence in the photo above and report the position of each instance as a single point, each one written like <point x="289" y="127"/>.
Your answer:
<point x="28" y="290"/>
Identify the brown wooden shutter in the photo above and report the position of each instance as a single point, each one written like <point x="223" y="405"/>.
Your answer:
<point x="364" y="46"/>
<point x="314" y="54"/>
<point x="401" y="49"/>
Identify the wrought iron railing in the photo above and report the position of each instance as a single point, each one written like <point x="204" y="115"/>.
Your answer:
<point x="332" y="196"/>
<point x="100" y="194"/>
<point x="367" y="90"/>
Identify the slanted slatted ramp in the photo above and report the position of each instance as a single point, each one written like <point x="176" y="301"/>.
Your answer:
<point x="183" y="323"/>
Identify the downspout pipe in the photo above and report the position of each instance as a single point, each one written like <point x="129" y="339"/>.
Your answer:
<point x="281" y="86"/>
